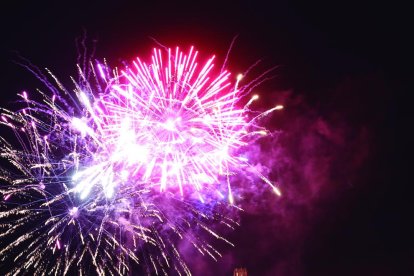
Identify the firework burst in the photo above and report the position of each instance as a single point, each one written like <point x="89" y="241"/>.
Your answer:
<point x="121" y="168"/>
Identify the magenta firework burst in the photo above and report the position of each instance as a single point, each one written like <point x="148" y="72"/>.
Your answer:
<point x="121" y="168"/>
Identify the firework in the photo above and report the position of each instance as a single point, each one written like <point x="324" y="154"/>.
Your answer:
<point x="117" y="171"/>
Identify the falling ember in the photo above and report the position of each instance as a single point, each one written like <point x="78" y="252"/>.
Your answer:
<point x="24" y="95"/>
<point x="129" y="163"/>
<point x="58" y="244"/>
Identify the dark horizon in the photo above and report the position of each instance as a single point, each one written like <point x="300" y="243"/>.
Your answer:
<point x="342" y="74"/>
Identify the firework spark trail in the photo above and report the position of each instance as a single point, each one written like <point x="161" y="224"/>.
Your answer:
<point x="127" y="164"/>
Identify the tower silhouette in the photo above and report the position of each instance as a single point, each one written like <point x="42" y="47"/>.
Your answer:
<point x="240" y="271"/>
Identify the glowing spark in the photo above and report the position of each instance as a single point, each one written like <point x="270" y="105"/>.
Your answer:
<point x="73" y="212"/>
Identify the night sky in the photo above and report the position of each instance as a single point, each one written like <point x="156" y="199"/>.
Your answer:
<point x="342" y="158"/>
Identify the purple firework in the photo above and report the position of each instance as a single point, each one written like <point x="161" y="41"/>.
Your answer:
<point x="123" y="167"/>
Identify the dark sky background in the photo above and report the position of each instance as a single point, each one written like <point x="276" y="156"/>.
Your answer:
<point x="342" y="159"/>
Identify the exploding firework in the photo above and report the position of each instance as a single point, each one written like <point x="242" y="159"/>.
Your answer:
<point x="121" y="168"/>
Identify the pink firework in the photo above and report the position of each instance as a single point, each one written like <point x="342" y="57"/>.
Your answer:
<point x="173" y="124"/>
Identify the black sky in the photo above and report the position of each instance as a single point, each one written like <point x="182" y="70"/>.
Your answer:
<point x="343" y="75"/>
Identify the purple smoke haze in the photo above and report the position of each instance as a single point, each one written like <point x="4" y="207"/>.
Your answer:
<point x="318" y="159"/>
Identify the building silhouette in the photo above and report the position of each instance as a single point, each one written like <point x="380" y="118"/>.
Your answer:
<point x="240" y="271"/>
